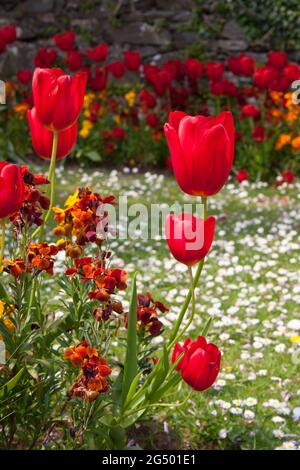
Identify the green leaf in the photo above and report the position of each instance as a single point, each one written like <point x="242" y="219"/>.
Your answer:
<point x="133" y="388"/>
<point x="93" y="156"/>
<point x="10" y="385"/>
<point x="3" y="293"/>
<point x="131" y="364"/>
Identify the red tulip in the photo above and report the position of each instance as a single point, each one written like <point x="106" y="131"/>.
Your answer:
<point x="242" y="175"/>
<point x="214" y="71"/>
<point x="292" y="72"/>
<point x="200" y="364"/>
<point x="98" y="81"/>
<point x="132" y="60"/>
<point x="98" y="53"/>
<point x="147" y="99"/>
<point x="58" y="98"/>
<point x="42" y="138"/>
<point x="24" y="76"/>
<point x="277" y="59"/>
<point x="152" y="120"/>
<point x="189" y="238"/>
<point x="202" y="151"/>
<point x="194" y="68"/>
<point x="117" y="69"/>
<point x="74" y="61"/>
<point x="258" y="134"/>
<point x="8" y="34"/>
<point x="288" y="176"/>
<point x="250" y="110"/>
<point x="65" y="41"/>
<point x="45" y="58"/>
<point x="11" y="189"/>
<point x="263" y="77"/>
<point x="247" y="64"/>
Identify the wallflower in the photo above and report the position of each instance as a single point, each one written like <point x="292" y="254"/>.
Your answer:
<point x="130" y="98"/>
<point x="282" y="141"/>
<point x="80" y="217"/>
<point x="86" y="128"/>
<point x="147" y="315"/>
<point x="94" y="371"/>
<point x="5" y="313"/>
<point x="296" y="143"/>
<point x="39" y="258"/>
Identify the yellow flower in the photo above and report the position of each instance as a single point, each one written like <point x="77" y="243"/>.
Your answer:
<point x="117" y="119"/>
<point x="296" y="143"/>
<point x="282" y="140"/>
<point x="86" y="128"/>
<point x="7" y="322"/>
<point x="130" y="98"/>
<point x="295" y="339"/>
<point x="72" y="199"/>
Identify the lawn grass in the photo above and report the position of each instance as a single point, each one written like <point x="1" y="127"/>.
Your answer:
<point x="250" y="286"/>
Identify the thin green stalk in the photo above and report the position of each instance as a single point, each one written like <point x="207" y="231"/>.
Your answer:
<point x="3" y="228"/>
<point x="51" y="176"/>
<point x="192" y="288"/>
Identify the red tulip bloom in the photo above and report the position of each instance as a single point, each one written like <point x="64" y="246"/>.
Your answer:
<point x="242" y="175"/>
<point x="65" y="41"/>
<point x="98" y="81"/>
<point x="132" y="60"/>
<point x="194" y="68"/>
<point x="214" y="71"/>
<point x="288" y="177"/>
<point x="58" y="98"/>
<point x="189" y="238"/>
<point x="98" y="53"/>
<point x="258" y="134"/>
<point x="292" y="72"/>
<point x="74" y="61"/>
<point x="200" y="364"/>
<point x="152" y="120"/>
<point x="24" y="76"/>
<point x="246" y="64"/>
<point x="45" y="58"/>
<point x="147" y="99"/>
<point x="263" y="76"/>
<point x="11" y="189"/>
<point x="117" y="69"/>
<point x="202" y="151"/>
<point x="277" y="59"/>
<point x="250" y="110"/>
<point x="8" y="34"/>
<point x="42" y="138"/>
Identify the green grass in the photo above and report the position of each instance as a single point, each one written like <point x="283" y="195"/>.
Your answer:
<point x="250" y="285"/>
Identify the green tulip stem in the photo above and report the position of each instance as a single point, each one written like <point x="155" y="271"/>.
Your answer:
<point x="190" y="294"/>
<point x="51" y="193"/>
<point x="3" y="228"/>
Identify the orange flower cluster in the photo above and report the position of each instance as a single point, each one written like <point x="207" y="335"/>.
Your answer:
<point x="39" y="258"/>
<point x="34" y="200"/>
<point x="80" y="219"/>
<point x="147" y="316"/>
<point x="105" y="282"/>
<point x="94" y="371"/>
<point x="287" y="111"/>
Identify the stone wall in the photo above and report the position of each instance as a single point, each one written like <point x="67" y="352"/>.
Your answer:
<point x="160" y="29"/>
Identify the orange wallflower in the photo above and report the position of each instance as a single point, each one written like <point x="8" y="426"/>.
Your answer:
<point x="282" y="140"/>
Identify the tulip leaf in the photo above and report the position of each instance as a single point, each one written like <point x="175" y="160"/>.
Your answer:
<point x="10" y="385"/>
<point x="133" y="388"/>
<point x="131" y="365"/>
